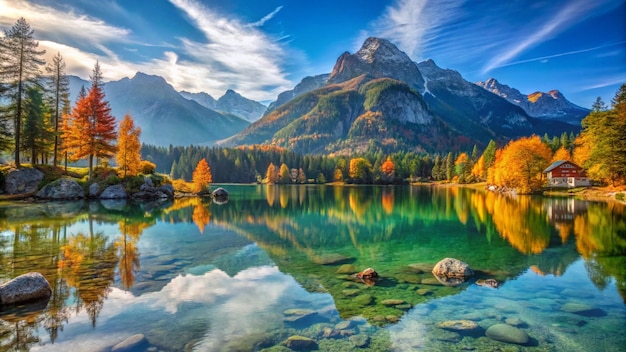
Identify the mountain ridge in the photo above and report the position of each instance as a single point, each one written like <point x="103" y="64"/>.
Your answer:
<point x="547" y="105"/>
<point x="379" y="98"/>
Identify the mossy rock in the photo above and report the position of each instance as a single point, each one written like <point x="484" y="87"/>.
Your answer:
<point x="300" y="343"/>
<point x="364" y="300"/>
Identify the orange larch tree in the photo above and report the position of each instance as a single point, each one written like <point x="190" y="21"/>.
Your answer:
<point x="101" y="133"/>
<point x="128" y="157"/>
<point x="388" y="168"/>
<point x="90" y="131"/>
<point x="202" y="176"/>
<point x="73" y="128"/>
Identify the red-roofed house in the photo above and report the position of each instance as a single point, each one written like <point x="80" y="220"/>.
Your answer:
<point x="564" y="173"/>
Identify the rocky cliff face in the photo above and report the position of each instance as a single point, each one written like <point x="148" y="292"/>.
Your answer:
<point x="468" y="107"/>
<point x="377" y="58"/>
<point x="549" y="106"/>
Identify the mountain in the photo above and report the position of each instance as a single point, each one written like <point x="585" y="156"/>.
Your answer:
<point x="469" y="108"/>
<point x="377" y="58"/>
<point x="231" y="103"/>
<point x="165" y="117"/>
<point x="551" y="105"/>
<point x="201" y="98"/>
<point x="306" y="85"/>
<point x="379" y="98"/>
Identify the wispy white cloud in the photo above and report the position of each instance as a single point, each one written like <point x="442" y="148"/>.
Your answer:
<point x="544" y="59"/>
<point x="413" y="24"/>
<point x="569" y="15"/>
<point x="234" y="55"/>
<point x="57" y="24"/>
<point x="560" y="21"/>
<point x="265" y="18"/>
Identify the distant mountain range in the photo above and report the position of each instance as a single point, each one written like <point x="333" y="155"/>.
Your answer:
<point x="550" y="105"/>
<point x="378" y="97"/>
<point x="164" y="115"/>
<point x="375" y="98"/>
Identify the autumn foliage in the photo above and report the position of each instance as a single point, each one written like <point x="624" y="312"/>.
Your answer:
<point x="128" y="157"/>
<point x="520" y="164"/>
<point x="201" y="176"/>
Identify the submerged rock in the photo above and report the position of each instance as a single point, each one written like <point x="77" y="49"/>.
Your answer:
<point x="27" y="287"/>
<point x="583" y="310"/>
<point x="458" y="325"/>
<point x="360" y="340"/>
<point x="450" y="267"/>
<point x="301" y="343"/>
<point x="393" y="302"/>
<point x="507" y="333"/>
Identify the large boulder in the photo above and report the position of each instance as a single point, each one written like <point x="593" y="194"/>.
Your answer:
<point x="94" y="189"/>
<point x="19" y="181"/>
<point x="63" y="188"/>
<point x="114" y="192"/>
<point x="450" y="267"/>
<point x="167" y="190"/>
<point x="27" y="287"/>
<point x="220" y="196"/>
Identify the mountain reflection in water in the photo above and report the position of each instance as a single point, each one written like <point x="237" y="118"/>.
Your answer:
<point x="240" y="265"/>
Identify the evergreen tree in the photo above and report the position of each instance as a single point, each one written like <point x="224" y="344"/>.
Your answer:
<point x="449" y="166"/>
<point x="36" y="129"/>
<point x="19" y="69"/>
<point x="59" y="91"/>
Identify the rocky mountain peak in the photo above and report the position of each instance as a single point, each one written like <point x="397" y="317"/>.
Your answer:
<point x="381" y="50"/>
<point x="378" y="58"/>
<point x="546" y="105"/>
<point x="234" y="103"/>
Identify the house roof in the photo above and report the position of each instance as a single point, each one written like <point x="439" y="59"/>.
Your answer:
<point x="558" y="163"/>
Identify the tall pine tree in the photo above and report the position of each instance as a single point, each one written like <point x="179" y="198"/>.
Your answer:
<point x="19" y="69"/>
<point x="59" y="91"/>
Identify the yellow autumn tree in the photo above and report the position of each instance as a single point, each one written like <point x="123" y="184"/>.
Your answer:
<point x="360" y="170"/>
<point x="521" y="165"/>
<point x="201" y="177"/>
<point x="561" y="154"/>
<point x="128" y="156"/>
<point x="478" y="170"/>
<point x="272" y="174"/>
<point x="283" y="174"/>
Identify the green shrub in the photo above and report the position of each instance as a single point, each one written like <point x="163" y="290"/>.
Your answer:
<point x="620" y="196"/>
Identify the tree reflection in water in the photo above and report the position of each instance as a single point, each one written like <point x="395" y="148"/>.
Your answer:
<point x="301" y="227"/>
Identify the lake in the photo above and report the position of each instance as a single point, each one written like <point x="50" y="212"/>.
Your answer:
<point x="273" y="267"/>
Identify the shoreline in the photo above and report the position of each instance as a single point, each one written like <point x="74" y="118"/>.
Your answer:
<point x="592" y="193"/>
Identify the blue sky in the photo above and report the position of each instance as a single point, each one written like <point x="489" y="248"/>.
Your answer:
<point x="260" y="48"/>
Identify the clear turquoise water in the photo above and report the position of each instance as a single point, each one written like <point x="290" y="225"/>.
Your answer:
<point x="275" y="262"/>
